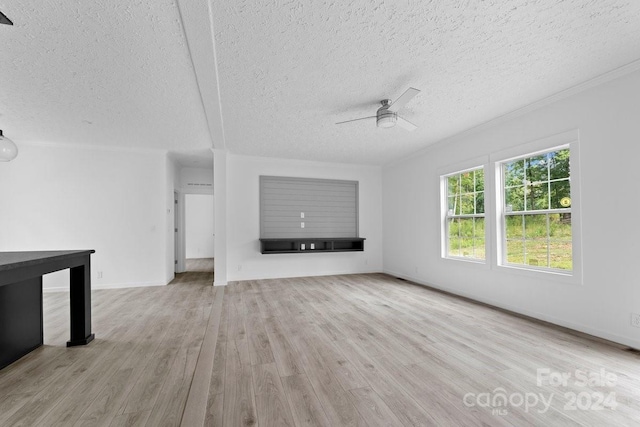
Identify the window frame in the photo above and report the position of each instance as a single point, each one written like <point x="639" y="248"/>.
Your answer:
<point x="567" y="140"/>
<point x="444" y="174"/>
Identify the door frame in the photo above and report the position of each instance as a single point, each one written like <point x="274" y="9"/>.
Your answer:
<point x="179" y="237"/>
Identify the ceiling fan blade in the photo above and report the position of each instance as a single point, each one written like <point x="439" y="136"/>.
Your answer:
<point x="355" y="120"/>
<point x="4" y="19"/>
<point x="404" y="98"/>
<point x="406" y="124"/>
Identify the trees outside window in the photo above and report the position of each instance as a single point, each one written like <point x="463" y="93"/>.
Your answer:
<point x="465" y="218"/>
<point x="537" y="211"/>
<point x="523" y="216"/>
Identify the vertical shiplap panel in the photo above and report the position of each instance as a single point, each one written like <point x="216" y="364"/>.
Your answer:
<point x="330" y="207"/>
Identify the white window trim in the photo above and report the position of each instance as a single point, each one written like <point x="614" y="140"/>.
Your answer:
<point x="444" y="173"/>
<point x="571" y="140"/>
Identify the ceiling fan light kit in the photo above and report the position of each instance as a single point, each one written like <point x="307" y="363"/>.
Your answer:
<point x="384" y="117"/>
<point x="387" y="115"/>
<point x="387" y="121"/>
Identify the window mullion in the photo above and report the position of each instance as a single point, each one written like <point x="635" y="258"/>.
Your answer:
<point x="548" y="241"/>
<point x="524" y="239"/>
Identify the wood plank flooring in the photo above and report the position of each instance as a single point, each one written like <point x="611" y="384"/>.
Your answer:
<point x="199" y="265"/>
<point x="372" y="350"/>
<point x="138" y="371"/>
<point x="355" y="350"/>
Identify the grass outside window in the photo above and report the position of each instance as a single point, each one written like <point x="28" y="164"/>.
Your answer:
<point x="465" y="222"/>
<point x="537" y="211"/>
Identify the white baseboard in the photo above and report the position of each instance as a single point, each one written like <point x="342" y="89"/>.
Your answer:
<point x="107" y="286"/>
<point x="56" y="289"/>
<point x="263" y="276"/>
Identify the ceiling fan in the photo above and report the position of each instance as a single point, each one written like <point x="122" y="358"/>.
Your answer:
<point x="387" y="115"/>
<point x="4" y="19"/>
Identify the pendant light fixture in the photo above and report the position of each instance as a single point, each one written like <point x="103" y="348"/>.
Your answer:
<point x="8" y="150"/>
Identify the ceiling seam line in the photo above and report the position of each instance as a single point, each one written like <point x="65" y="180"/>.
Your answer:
<point x="195" y="74"/>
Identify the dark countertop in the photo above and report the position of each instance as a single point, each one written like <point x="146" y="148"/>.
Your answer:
<point x="11" y="260"/>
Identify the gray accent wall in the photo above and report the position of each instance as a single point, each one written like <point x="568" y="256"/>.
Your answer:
<point x="330" y="207"/>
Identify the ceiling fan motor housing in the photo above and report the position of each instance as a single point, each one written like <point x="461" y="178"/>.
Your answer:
<point x="387" y="115"/>
<point x="384" y="117"/>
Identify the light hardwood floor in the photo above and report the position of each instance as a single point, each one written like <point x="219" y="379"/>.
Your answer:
<point x="331" y="351"/>
<point x="137" y="371"/>
<point x="374" y="350"/>
<point x="199" y="265"/>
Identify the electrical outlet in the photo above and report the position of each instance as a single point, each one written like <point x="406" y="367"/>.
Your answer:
<point x="635" y="320"/>
<point x="302" y="246"/>
<point x="302" y="225"/>
<point x="99" y="274"/>
<point x="301" y="214"/>
<point x="239" y="267"/>
<point x="313" y="246"/>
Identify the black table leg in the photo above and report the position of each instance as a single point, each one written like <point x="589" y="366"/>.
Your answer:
<point x="80" y="295"/>
<point x="20" y="319"/>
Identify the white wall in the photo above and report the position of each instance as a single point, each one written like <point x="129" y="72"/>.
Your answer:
<point x="196" y="180"/>
<point x="199" y="226"/>
<point x="607" y="118"/>
<point x="75" y="198"/>
<point x="220" y="212"/>
<point x="243" y="220"/>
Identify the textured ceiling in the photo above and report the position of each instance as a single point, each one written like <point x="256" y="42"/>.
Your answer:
<point x="202" y="159"/>
<point x="103" y="72"/>
<point x="289" y="70"/>
<point x="270" y="78"/>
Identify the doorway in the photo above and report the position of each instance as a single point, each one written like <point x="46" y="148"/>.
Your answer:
<point x="199" y="232"/>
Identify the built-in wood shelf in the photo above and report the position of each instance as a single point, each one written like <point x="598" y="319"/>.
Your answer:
<point x="311" y="245"/>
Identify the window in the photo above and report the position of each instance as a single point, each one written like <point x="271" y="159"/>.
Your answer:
<point x="536" y="211"/>
<point x="523" y="216"/>
<point x="464" y="219"/>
